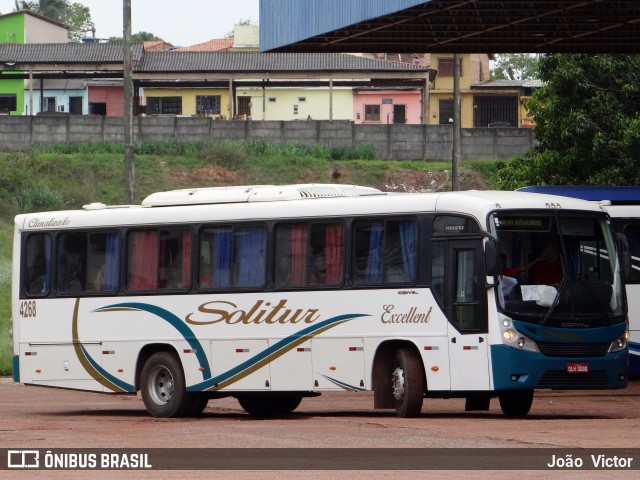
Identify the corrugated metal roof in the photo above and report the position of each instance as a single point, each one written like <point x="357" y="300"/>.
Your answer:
<point x="450" y="26"/>
<point x="284" y="22"/>
<point x="505" y="83"/>
<point x="265" y="62"/>
<point x="53" y="53"/>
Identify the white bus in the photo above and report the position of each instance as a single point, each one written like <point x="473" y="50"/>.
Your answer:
<point x="273" y="293"/>
<point x="623" y="205"/>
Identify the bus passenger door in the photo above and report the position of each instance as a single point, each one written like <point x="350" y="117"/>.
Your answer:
<point x="466" y="310"/>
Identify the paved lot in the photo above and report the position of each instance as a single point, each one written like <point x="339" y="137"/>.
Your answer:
<point x="43" y="418"/>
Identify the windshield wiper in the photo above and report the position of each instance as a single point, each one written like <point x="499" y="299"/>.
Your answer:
<point x="556" y="300"/>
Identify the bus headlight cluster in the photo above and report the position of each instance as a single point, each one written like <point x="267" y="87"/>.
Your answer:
<point x="513" y="338"/>
<point x="620" y="344"/>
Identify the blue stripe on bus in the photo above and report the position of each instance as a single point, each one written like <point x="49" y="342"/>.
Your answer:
<point x="274" y="351"/>
<point x="175" y="322"/>
<point x="119" y="383"/>
<point x="343" y="385"/>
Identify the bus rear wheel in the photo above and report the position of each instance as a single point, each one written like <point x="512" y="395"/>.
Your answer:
<point x="163" y="387"/>
<point x="270" y="404"/>
<point x="516" y="403"/>
<point x="407" y="383"/>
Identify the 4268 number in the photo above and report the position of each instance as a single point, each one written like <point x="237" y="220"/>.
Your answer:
<point x="28" y="309"/>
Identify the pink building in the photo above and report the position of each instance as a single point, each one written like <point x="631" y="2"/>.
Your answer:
<point x="387" y="106"/>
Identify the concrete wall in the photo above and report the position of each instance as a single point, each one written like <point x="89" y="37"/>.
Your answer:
<point x="397" y="142"/>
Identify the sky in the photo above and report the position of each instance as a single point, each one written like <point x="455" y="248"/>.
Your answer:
<point x="180" y="22"/>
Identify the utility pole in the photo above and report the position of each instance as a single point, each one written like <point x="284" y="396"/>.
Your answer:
<point x="129" y="157"/>
<point x="455" y="160"/>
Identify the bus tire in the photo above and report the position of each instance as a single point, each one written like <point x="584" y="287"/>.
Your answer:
<point x="270" y="404"/>
<point x="163" y="386"/>
<point x="516" y="403"/>
<point x="407" y="383"/>
<point x="199" y="403"/>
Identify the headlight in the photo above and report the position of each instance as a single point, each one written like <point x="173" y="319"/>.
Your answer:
<point x="514" y="339"/>
<point x="620" y="344"/>
<point x="509" y="335"/>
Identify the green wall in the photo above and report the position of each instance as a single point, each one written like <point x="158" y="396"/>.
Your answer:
<point x="12" y="31"/>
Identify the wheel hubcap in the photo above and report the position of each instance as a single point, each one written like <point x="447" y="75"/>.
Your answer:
<point x="397" y="384"/>
<point x="161" y="385"/>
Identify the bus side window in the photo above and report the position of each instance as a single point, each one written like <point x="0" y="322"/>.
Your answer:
<point x="142" y="260"/>
<point x="233" y="257"/>
<point x="37" y="261"/>
<point x="632" y="232"/>
<point x="309" y="254"/>
<point x="385" y="252"/>
<point x="175" y="259"/>
<point x="71" y="257"/>
<point x="103" y="263"/>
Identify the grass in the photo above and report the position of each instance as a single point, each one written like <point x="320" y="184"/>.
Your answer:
<point x="67" y="176"/>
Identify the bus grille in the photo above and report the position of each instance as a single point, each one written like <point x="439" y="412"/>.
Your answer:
<point x="574" y="349"/>
<point x="559" y="378"/>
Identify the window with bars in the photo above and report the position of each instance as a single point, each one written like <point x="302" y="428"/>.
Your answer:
<point x="208" y="104"/>
<point x="8" y="103"/>
<point x="164" y="105"/>
<point x="495" y="111"/>
<point x="372" y="113"/>
<point x="445" y="67"/>
<point x="445" y="112"/>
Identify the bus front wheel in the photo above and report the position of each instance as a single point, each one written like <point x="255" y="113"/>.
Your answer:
<point x="407" y="383"/>
<point x="163" y="386"/>
<point x="516" y="403"/>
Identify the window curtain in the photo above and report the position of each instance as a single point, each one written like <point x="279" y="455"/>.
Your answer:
<point x="111" y="262"/>
<point x="143" y="260"/>
<point x="334" y="241"/>
<point x="222" y="258"/>
<point x="299" y="257"/>
<point x="408" y="246"/>
<point x="250" y="258"/>
<point x="373" y="272"/>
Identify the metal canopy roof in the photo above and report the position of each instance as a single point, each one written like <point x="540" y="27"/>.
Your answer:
<point x="451" y="26"/>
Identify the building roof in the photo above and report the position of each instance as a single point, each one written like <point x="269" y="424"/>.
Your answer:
<point x="265" y="62"/>
<point x="157" y="45"/>
<point x="36" y="15"/>
<point x="501" y="83"/>
<point x="65" y="53"/>
<point x="215" y="45"/>
<point x="451" y="26"/>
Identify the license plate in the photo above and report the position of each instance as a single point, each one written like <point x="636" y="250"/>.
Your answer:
<point x="575" y="367"/>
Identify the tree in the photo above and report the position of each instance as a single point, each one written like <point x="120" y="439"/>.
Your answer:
<point x="78" y="17"/>
<point x="587" y="119"/>
<point x="516" y="66"/>
<point x="139" y="37"/>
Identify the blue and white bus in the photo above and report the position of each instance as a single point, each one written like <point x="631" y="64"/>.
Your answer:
<point x="273" y="293"/>
<point x="623" y="205"/>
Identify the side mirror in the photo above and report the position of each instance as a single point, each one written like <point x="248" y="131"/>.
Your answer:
<point x="491" y="257"/>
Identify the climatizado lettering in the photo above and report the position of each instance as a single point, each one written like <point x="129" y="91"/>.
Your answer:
<point x="53" y="222"/>
<point x="261" y="312"/>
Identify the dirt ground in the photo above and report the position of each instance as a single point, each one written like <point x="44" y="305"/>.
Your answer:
<point x="43" y="418"/>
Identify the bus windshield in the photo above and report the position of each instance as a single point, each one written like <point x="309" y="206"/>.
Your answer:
<point x="558" y="269"/>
